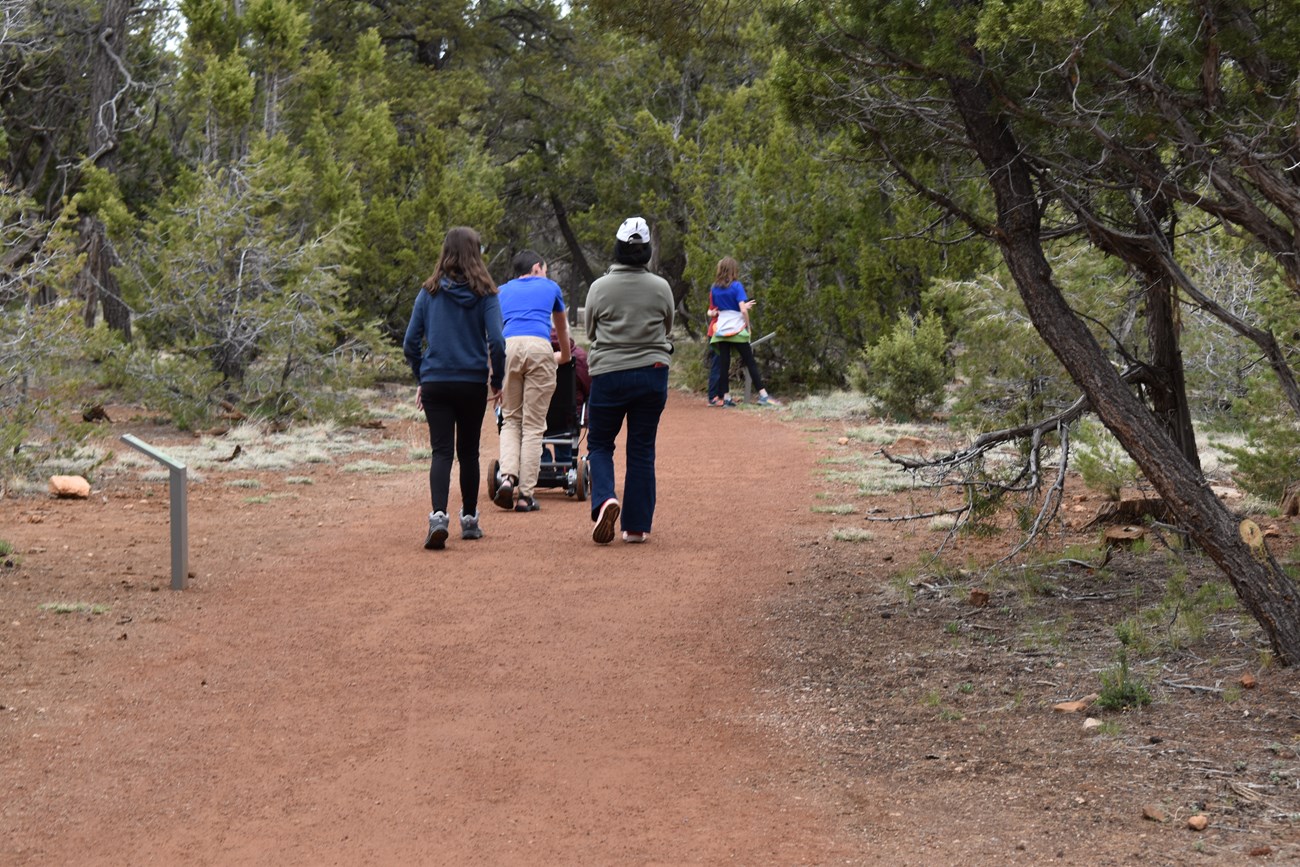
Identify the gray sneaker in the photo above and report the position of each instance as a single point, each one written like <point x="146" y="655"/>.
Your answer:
<point x="437" y="538"/>
<point x="469" y="528"/>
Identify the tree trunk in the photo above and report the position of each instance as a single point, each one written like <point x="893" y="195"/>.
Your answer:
<point x="96" y="283"/>
<point x="1261" y="584"/>
<point x="1169" y="389"/>
<point x="580" y="263"/>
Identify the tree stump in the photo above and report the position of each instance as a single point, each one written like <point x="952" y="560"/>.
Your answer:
<point x="1291" y="500"/>
<point x="1123" y="536"/>
<point x="1131" y="510"/>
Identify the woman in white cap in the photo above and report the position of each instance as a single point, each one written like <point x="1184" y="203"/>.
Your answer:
<point x="629" y="318"/>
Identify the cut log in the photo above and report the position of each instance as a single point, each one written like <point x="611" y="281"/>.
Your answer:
<point x="1291" y="500"/>
<point x="95" y="413"/>
<point x="1131" y="510"/>
<point x="234" y="454"/>
<point x="1123" y="536"/>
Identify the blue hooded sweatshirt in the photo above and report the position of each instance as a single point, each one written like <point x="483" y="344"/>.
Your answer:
<point x="454" y="334"/>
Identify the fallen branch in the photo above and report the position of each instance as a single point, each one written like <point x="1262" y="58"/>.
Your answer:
<point x="987" y="441"/>
<point x="1191" y="686"/>
<point x="920" y="517"/>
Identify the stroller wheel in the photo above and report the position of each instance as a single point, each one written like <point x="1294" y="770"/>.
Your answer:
<point x="583" y="483"/>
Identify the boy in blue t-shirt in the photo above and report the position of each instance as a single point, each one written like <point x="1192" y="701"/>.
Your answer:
<point x="531" y="305"/>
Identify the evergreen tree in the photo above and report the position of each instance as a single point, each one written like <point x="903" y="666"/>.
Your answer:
<point x="1121" y="123"/>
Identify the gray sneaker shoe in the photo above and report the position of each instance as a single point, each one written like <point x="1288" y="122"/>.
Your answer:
<point x="469" y="528"/>
<point x="437" y="538"/>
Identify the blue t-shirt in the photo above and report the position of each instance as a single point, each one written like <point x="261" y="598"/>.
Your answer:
<point x="527" y="304"/>
<point x="729" y="297"/>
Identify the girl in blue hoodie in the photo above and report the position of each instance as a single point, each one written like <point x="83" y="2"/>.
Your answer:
<point x="456" y="350"/>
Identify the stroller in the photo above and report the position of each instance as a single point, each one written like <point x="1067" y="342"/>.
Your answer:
<point x="561" y="465"/>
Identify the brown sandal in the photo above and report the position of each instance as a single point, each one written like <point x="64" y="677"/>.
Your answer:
<point x="505" y="495"/>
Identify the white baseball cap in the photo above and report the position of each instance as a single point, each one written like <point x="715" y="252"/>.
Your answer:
<point x="634" y="231"/>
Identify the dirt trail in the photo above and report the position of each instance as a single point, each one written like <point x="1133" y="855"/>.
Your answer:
<point x="329" y="692"/>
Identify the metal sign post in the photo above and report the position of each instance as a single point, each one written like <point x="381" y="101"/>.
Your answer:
<point x="179" y="507"/>
<point x="749" y="384"/>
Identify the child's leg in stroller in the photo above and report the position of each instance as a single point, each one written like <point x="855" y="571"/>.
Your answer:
<point x="563" y="454"/>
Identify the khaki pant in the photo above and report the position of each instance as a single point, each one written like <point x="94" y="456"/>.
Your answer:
<point x="525" y="398"/>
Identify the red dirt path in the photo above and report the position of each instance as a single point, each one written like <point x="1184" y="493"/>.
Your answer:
<point x="328" y="692"/>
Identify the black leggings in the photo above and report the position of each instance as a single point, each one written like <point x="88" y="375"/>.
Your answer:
<point x="453" y="408"/>
<point x="723" y="348"/>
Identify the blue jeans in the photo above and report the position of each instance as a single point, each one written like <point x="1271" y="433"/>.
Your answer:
<point x="715" y="374"/>
<point x="722" y="364"/>
<point x="637" y="395"/>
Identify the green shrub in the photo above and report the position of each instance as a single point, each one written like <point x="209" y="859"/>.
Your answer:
<point x="1103" y="463"/>
<point x="690" y="367"/>
<point x="1267" y="463"/>
<point x="906" y="367"/>
<point x="41" y="373"/>
<point x="1120" y="689"/>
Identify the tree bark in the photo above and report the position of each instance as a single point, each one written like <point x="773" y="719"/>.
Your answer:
<point x="1169" y="387"/>
<point x="96" y="283"/>
<point x="1261" y="584"/>
<point x="580" y="263"/>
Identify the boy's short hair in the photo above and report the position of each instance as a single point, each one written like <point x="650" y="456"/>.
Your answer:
<point x="524" y="261"/>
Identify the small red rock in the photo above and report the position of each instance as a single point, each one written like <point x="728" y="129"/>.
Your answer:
<point x="1198" y="823"/>
<point x="1154" y="813"/>
<point x="1070" y="706"/>
<point x="1247" y="681"/>
<point x="911" y="444"/>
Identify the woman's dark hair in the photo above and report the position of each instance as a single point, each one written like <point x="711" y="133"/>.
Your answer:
<point x="626" y="253"/>
<point x="462" y="262"/>
<point x="728" y="272"/>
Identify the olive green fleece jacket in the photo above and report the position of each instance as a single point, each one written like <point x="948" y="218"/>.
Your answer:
<point x="629" y="317"/>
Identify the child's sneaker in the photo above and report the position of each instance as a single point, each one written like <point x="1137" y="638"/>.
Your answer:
<point x="768" y="400"/>
<point x="437" y="538"/>
<point x="469" y="528"/>
<point x="635" y="538"/>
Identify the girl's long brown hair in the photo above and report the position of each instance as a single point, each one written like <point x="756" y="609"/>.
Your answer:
<point x="462" y="262"/>
<point x="728" y="272"/>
